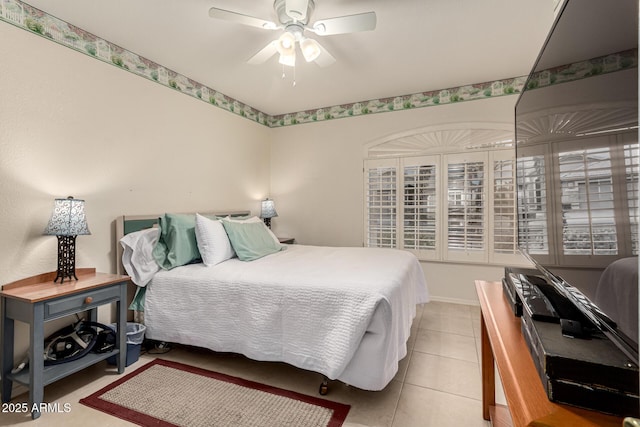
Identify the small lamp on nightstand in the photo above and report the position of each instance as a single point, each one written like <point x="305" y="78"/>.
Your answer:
<point x="67" y="221"/>
<point x="268" y="211"/>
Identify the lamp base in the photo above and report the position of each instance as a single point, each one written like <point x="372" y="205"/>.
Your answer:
<point x="267" y="222"/>
<point x="66" y="258"/>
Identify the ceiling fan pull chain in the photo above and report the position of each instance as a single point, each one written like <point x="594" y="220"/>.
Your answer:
<point x="294" y="76"/>
<point x="283" y="74"/>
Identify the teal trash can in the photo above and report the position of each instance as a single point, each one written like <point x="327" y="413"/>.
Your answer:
<point x="135" y="337"/>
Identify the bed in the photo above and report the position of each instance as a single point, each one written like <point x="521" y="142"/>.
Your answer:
<point x="345" y="313"/>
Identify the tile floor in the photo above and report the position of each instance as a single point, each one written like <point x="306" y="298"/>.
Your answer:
<point x="438" y="383"/>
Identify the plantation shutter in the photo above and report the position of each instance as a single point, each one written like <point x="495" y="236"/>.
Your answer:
<point x="534" y="229"/>
<point x="420" y="205"/>
<point x="466" y="207"/>
<point x="504" y="222"/>
<point x="381" y="183"/>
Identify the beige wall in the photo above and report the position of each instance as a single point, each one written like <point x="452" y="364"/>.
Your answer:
<point x="72" y="125"/>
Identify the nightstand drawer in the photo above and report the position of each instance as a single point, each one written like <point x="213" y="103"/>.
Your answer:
<point x="75" y="302"/>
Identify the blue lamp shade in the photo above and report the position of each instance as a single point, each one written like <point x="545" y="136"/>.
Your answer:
<point x="68" y="218"/>
<point x="268" y="209"/>
<point x="67" y="221"/>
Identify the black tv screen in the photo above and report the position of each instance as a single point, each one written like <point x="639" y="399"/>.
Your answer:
<point x="577" y="162"/>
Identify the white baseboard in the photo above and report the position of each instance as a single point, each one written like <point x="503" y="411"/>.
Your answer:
<point x="456" y="301"/>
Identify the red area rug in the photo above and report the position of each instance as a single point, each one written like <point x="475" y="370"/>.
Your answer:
<point x="165" y="393"/>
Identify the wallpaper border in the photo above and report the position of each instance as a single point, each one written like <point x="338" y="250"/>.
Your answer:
<point x="31" y="19"/>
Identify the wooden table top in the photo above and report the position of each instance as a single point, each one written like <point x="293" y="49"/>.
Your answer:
<point x="42" y="287"/>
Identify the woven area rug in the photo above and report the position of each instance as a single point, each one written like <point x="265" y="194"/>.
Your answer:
<point x="165" y="393"/>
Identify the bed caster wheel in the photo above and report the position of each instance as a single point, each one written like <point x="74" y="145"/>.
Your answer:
<point x="324" y="388"/>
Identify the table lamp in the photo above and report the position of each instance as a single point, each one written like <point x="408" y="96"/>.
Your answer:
<point x="67" y="221"/>
<point x="268" y="211"/>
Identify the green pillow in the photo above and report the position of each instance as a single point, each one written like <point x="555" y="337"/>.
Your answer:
<point x="250" y="240"/>
<point x="177" y="243"/>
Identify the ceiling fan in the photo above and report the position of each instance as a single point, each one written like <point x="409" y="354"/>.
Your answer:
<point x="294" y="18"/>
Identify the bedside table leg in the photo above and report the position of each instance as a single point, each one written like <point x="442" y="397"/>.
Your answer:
<point x="121" y="312"/>
<point x="7" y="355"/>
<point x="36" y="361"/>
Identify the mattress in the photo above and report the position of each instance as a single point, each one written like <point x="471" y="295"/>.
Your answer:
<point x="343" y="312"/>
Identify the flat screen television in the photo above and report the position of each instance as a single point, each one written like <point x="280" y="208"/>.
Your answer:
<point x="577" y="163"/>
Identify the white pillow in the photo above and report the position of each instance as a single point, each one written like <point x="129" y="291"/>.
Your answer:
<point x="213" y="242"/>
<point x="254" y="219"/>
<point x="137" y="257"/>
<point x="251" y="219"/>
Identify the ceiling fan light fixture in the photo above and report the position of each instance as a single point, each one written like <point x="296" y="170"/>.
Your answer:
<point x="310" y="49"/>
<point x="294" y="17"/>
<point x="286" y="44"/>
<point x="288" y="59"/>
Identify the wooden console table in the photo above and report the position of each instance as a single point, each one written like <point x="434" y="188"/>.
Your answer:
<point x="37" y="300"/>
<point x="528" y="404"/>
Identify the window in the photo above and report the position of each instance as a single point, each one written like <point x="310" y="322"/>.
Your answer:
<point x="505" y="230"/>
<point x="465" y="210"/>
<point x="413" y="215"/>
<point x="532" y="211"/>
<point x="406" y="197"/>
<point x="381" y="205"/>
<point x="466" y="207"/>
<point x="419" y="209"/>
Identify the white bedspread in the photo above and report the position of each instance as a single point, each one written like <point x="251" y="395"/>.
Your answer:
<point x="343" y="312"/>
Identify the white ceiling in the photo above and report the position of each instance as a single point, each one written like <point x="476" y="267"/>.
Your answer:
<point x="418" y="45"/>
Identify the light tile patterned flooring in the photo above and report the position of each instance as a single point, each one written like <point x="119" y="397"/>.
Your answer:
<point x="438" y="384"/>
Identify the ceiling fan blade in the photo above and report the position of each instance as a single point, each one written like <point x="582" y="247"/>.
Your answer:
<point x="325" y="59"/>
<point x="267" y="52"/>
<point x="227" y="15"/>
<point x="296" y="9"/>
<point x="346" y="24"/>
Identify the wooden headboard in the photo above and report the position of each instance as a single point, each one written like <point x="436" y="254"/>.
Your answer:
<point x="131" y="223"/>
